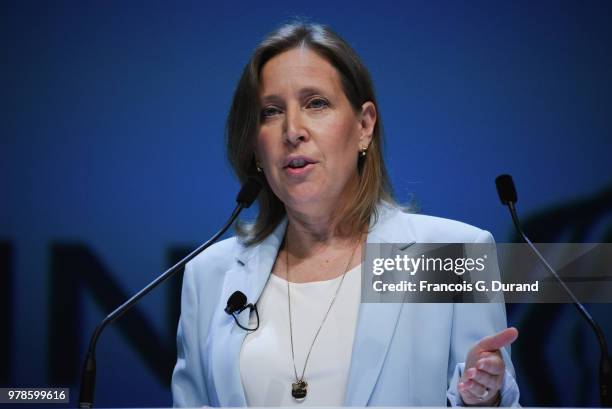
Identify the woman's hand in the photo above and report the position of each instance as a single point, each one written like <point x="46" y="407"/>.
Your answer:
<point x="484" y="370"/>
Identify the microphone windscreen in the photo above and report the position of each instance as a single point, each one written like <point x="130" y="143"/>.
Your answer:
<point x="249" y="191"/>
<point x="505" y="189"/>
<point x="236" y="302"/>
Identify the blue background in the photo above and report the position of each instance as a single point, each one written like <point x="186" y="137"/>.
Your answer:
<point x="112" y="136"/>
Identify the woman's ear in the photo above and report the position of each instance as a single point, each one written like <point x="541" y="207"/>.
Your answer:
<point x="367" y="120"/>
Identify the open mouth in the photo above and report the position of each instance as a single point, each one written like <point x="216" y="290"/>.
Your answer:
<point x="298" y="164"/>
<point x="299" y="167"/>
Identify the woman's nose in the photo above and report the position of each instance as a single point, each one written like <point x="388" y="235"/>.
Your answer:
<point x="295" y="131"/>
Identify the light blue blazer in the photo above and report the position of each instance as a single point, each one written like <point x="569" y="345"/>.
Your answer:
<point x="404" y="354"/>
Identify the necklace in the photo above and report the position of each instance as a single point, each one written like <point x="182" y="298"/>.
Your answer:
<point x="299" y="388"/>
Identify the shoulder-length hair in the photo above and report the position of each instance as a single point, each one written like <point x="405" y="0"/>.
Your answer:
<point x="243" y="123"/>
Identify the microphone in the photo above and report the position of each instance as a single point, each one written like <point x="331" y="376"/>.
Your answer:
<point x="247" y="195"/>
<point x="249" y="191"/>
<point x="236" y="303"/>
<point x="508" y="197"/>
<point x="506" y="190"/>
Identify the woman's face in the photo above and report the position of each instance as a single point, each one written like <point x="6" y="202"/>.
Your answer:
<point x="309" y="137"/>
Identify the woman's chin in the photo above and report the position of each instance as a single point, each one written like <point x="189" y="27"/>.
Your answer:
<point x="303" y="199"/>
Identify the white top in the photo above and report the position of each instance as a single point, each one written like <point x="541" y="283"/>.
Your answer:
<point x="266" y="366"/>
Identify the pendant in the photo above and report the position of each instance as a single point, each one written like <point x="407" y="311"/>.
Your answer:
<point x="298" y="390"/>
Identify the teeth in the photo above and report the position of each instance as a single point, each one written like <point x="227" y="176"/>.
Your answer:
<point x="297" y="163"/>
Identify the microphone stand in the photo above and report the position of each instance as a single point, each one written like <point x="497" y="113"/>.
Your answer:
<point x="507" y="195"/>
<point x="247" y="195"/>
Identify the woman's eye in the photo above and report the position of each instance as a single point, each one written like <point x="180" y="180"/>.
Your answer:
<point x="269" y="111"/>
<point x="317" y="103"/>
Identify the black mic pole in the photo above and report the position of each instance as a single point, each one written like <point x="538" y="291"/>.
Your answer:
<point x="508" y="197"/>
<point x="246" y="196"/>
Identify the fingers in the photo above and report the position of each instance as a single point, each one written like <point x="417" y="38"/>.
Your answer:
<point x="499" y="340"/>
<point x="493" y="365"/>
<point x="475" y="393"/>
<point x="469" y="398"/>
<point x="477" y="390"/>
<point x="480" y="384"/>
<point x="483" y="379"/>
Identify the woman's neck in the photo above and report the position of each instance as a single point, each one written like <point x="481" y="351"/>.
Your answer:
<point x="323" y="223"/>
<point x="323" y="236"/>
<point x="317" y="254"/>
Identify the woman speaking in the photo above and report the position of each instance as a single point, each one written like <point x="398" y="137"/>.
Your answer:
<point x="304" y="117"/>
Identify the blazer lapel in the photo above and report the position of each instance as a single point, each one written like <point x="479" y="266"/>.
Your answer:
<point x="376" y="323"/>
<point x="249" y="274"/>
